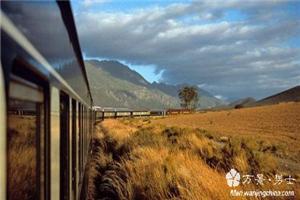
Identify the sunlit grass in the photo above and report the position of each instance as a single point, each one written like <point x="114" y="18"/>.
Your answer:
<point x="159" y="158"/>
<point x="22" y="157"/>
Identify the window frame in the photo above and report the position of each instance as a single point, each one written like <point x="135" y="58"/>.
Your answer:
<point x="64" y="100"/>
<point x="27" y="74"/>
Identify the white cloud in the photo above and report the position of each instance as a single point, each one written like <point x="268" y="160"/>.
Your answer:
<point x="227" y="56"/>
<point x="220" y="97"/>
<point x="89" y="3"/>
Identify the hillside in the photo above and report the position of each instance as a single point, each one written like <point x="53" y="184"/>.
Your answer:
<point x="109" y="91"/>
<point x="292" y="94"/>
<point x="242" y="102"/>
<point x="116" y="85"/>
<point x="120" y="71"/>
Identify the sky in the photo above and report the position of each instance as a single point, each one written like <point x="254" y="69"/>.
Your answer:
<point x="232" y="48"/>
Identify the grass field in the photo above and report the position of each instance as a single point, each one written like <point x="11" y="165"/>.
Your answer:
<point x="188" y="156"/>
<point x="274" y="129"/>
<point x="22" y="157"/>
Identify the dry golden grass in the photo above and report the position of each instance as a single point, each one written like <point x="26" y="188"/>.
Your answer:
<point x="164" y="174"/>
<point x="276" y="122"/>
<point x="186" y="157"/>
<point x="274" y="129"/>
<point x="22" y="157"/>
<point x="147" y="166"/>
<point x="119" y="131"/>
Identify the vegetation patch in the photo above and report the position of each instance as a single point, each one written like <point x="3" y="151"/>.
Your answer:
<point x="163" y="162"/>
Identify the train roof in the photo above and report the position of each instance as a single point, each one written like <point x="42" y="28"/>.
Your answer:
<point x="42" y="36"/>
<point x="68" y="18"/>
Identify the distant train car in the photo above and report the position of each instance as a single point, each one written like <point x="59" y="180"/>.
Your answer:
<point x="114" y="113"/>
<point x="140" y="113"/>
<point x="178" y="111"/>
<point x="99" y="115"/>
<point x="157" y="112"/>
<point x="46" y="117"/>
<point x="109" y="114"/>
<point x="123" y="113"/>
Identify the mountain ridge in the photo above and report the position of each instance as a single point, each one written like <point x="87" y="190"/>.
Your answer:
<point x="242" y="102"/>
<point x="120" y="71"/>
<point x="109" y="91"/>
<point x="291" y="94"/>
<point x="126" y="87"/>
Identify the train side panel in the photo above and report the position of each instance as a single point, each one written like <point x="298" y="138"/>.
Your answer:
<point x="55" y="147"/>
<point x="2" y="137"/>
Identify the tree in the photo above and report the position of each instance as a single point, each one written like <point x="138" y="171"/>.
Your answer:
<point x="189" y="97"/>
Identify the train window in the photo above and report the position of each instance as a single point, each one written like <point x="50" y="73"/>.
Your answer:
<point x="90" y="123"/>
<point x="25" y="139"/>
<point x="84" y="138"/>
<point x="74" y="147"/>
<point x="64" y="146"/>
<point x="84" y="134"/>
<point x="80" y="139"/>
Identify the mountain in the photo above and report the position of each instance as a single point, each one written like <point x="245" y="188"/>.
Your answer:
<point x="109" y="91"/>
<point x="242" y="102"/>
<point x="114" y="84"/>
<point x="292" y="94"/>
<point x="120" y="71"/>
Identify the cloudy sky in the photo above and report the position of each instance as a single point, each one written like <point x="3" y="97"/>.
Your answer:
<point x="231" y="48"/>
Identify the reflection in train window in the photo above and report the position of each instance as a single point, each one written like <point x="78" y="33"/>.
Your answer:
<point x="74" y="147"/>
<point x="64" y="145"/>
<point x="80" y="140"/>
<point x="25" y="130"/>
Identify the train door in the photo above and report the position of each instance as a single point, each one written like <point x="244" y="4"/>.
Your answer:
<point x="64" y="146"/>
<point x="26" y="136"/>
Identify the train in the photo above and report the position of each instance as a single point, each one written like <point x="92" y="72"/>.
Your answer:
<point x="105" y="113"/>
<point x="46" y="113"/>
